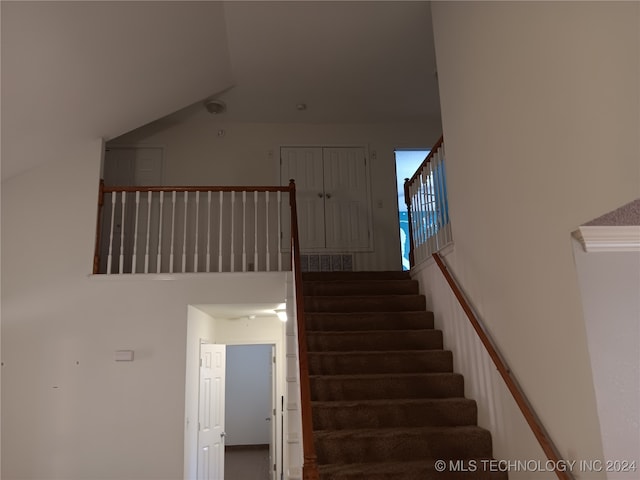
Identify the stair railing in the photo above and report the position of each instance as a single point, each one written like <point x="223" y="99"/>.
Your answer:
<point x="310" y="465"/>
<point x="541" y="434"/>
<point x="425" y="194"/>
<point x="168" y="229"/>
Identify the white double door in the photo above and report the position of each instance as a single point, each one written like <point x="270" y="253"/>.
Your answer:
<point x="332" y="186"/>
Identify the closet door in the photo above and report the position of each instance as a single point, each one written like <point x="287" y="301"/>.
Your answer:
<point x="346" y="199"/>
<point x="332" y="196"/>
<point x="304" y="165"/>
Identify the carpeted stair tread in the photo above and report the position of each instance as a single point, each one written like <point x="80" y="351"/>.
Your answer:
<point x="364" y="303"/>
<point x="402" y="444"/>
<point x="386" y="386"/>
<point x="398" y="361"/>
<point x="356" y="321"/>
<point x="426" y="339"/>
<point x="386" y="413"/>
<point x="368" y="287"/>
<point x="385" y="401"/>
<point x="406" y="470"/>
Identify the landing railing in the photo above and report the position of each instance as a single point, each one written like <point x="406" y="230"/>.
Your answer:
<point x="192" y="229"/>
<point x="425" y="194"/>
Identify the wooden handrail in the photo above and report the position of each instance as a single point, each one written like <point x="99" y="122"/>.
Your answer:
<point x="156" y="188"/>
<point x="432" y="152"/>
<point x="310" y="465"/>
<point x="518" y="394"/>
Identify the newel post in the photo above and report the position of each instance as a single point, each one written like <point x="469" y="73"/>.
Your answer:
<point x="407" y="201"/>
<point x="96" y="253"/>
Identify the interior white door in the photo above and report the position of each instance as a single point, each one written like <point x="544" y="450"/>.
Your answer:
<point x="132" y="166"/>
<point x="211" y="412"/>
<point x="305" y="166"/>
<point x="346" y="198"/>
<point x="273" y="424"/>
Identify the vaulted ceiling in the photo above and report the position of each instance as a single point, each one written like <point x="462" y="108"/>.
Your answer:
<point x="88" y="70"/>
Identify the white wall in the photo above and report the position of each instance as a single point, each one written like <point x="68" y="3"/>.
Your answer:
<point x="540" y="117"/>
<point x="497" y="411"/>
<point x="610" y="291"/>
<point x="248" y="395"/>
<point x="248" y="154"/>
<point x="60" y="328"/>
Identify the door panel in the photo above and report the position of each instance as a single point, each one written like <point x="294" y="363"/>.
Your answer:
<point x="304" y="165"/>
<point x="211" y="412"/>
<point x="346" y="198"/>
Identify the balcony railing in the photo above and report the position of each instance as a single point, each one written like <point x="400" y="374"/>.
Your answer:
<point x="192" y="229"/>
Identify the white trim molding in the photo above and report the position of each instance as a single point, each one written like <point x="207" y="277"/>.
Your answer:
<point x="609" y="238"/>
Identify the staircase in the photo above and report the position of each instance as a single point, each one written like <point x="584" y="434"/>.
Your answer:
<point x="386" y="403"/>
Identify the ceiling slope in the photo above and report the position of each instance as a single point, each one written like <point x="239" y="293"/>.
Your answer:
<point x="87" y="70"/>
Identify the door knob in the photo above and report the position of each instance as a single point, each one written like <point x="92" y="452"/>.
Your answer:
<point x="328" y="195"/>
<point x="223" y="434"/>
<point x="268" y="419"/>
<point x="319" y="195"/>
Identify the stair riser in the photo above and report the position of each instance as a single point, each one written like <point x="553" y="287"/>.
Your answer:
<point x="387" y="387"/>
<point x="370" y="321"/>
<point x="389" y="446"/>
<point x="428" y="361"/>
<point x="451" y="412"/>
<point x="374" y="303"/>
<point x="397" y="287"/>
<point x="354" y="276"/>
<point x="371" y="341"/>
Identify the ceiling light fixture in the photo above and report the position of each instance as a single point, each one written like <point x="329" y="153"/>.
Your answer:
<point x="215" y="107"/>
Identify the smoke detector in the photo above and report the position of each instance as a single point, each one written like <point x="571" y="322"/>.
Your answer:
<point x="215" y="107"/>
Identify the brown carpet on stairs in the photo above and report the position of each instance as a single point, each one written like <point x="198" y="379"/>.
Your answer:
<point x="386" y="403"/>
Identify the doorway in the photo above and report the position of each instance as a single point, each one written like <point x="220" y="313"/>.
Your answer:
<point x="250" y="412"/>
<point x="234" y="326"/>
<point x="407" y="162"/>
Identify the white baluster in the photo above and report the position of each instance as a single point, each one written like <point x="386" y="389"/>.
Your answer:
<point x="173" y="229"/>
<point x="195" y="251"/>
<point x="417" y="214"/>
<point x="244" y="230"/>
<point x="160" y="218"/>
<point x="122" y="221"/>
<point x="113" y="216"/>
<point x="233" y="202"/>
<point x="146" y="250"/>
<point x="208" y="231"/>
<point x="184" y="234"/>
<point x="266" y="222"/>
<point x="279" y="198"/>
<point x="135" y="235"/>
<point x="255" y="231"/>
<point x="220" y="235"/>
